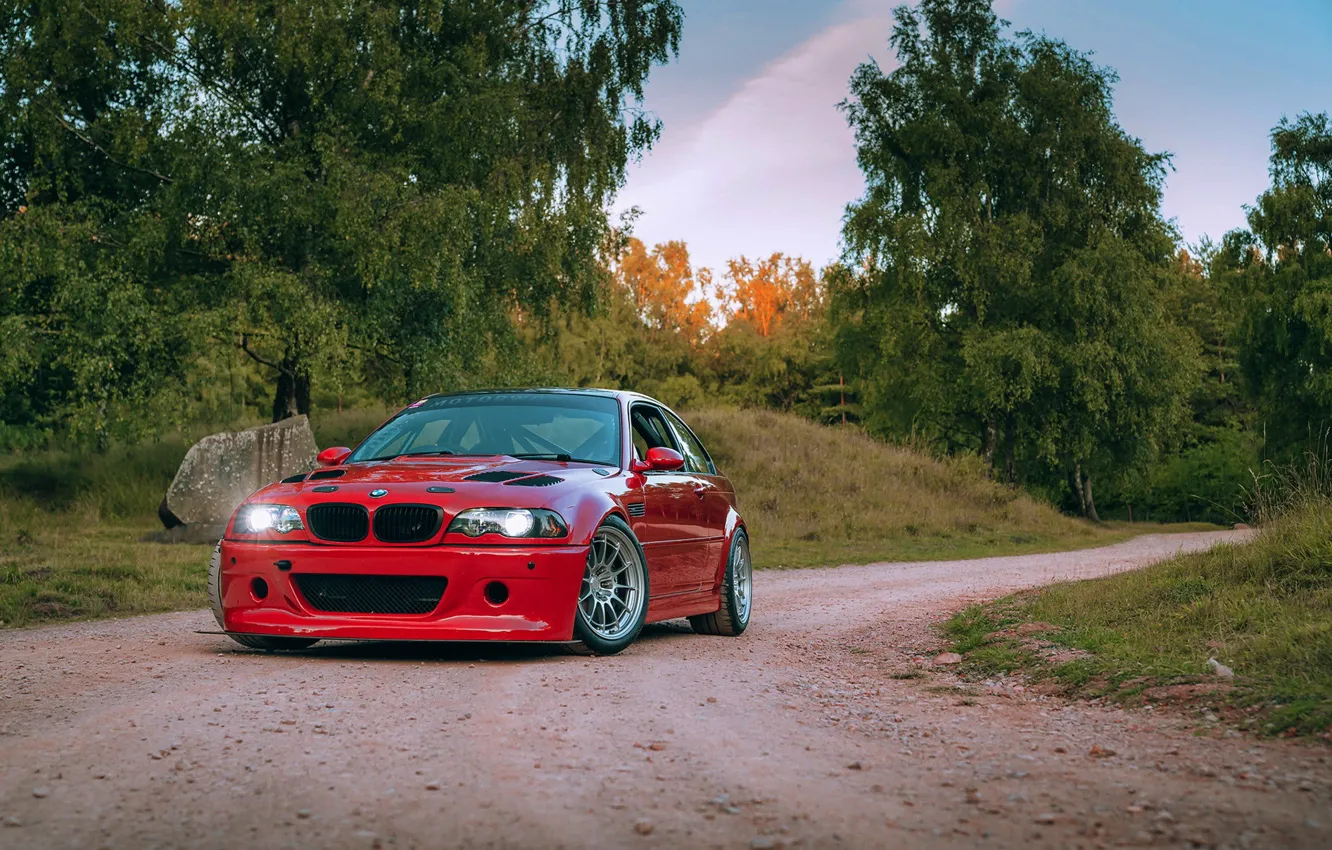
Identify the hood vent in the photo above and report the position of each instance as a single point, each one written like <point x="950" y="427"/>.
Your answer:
<point x="495" y="476"/>
<point x="535" y="481"/>
<point x="321" y="474"/>
<point x="294" y="479"/>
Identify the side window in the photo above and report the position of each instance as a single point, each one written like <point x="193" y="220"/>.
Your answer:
<point x="650" y="430"/>
<point x="696" y="458"/>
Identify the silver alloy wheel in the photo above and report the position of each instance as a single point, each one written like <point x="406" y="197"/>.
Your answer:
<point x="612" y="591"/>
<point x="742" y="579"/>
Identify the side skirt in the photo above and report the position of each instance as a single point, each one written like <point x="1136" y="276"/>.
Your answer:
<point x="683" y="605"/>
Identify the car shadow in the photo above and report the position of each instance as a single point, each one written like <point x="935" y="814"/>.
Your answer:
<point x="653" y="634"/>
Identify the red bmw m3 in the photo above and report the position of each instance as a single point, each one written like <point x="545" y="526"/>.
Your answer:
<point x="566" y="516"/>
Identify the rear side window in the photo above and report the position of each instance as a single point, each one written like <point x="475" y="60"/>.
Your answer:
<point x="696" y="457"/>
<point x="650" y="430"/>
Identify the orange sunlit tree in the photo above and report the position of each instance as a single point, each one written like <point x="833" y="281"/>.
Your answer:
<point x="665" y="289"/>
<point x="768" y="292"/>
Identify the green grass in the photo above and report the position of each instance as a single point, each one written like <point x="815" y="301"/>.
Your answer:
<point x="73" y="567"/>
<point x="1263" y="608"/>
<point x="71" y="523"/>
<point x="71" y="529"/>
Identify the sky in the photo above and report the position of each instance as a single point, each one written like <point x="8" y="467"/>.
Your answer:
<point x="755" y="156"/>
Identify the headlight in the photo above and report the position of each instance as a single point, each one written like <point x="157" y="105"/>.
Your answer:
<point x="256" y="519"/>
<point x="509" y="522"/>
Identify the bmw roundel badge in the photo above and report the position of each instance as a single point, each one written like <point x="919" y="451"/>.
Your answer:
<point x="375" y="494"/>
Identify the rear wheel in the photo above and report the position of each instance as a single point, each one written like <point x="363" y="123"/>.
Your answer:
<point x="613" y="598"/>
<point x="737" y="593"/>
<point x="251" y="641"/>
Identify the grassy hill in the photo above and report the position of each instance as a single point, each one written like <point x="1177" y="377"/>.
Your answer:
<point x="71" y="523"/>
<point x="817" y="495"/>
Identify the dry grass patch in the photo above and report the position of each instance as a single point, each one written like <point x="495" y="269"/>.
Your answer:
<point x="815" y="495"/>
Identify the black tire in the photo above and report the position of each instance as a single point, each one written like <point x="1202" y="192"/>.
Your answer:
<point x="737" y="604"/>
<point x="588" y="638"/>
<point x="273" y="643"/>
<point x="215" y="584"/>
<point x="251" y="641"/>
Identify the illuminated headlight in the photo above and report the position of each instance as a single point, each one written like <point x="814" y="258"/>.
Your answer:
<point x="256" y="519"/>
<point x="509" y="522"/>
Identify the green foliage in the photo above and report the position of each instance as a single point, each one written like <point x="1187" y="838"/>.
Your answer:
<point x="333" y="189"/>
<point x="1009" y="255"/>
<point x="1286" y="266"/>
<point x="125" y="482"/>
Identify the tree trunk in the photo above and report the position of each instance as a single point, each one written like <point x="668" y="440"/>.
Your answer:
<point x="1075" y="487"/>
<point x="303" y="394"/>
<point x="1010" y="450"/>
<point x="1090" y="506"/>
<point x="292" y="395"/>
<point x="284" y="397"/>
<point x="989" y="442"/>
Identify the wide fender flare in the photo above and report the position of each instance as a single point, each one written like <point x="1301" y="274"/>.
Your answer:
<point x="734" y="522"/>
<point x="587" y="514"/>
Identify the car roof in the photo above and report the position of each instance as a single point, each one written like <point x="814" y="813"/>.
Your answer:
<point x="593" y="391"/>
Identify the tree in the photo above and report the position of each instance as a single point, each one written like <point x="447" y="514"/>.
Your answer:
<point x="325" y="185"/>
<point x="1207" y="462"/>
<point x="648" y="329"/>
<point x="92" y="345"/>
<point x="666" y="293"/>
<point x="767" y="293"/>
<point x="772" y="350"/>
<point x="1286" y="264"/>
<point x="1009" y="255"/>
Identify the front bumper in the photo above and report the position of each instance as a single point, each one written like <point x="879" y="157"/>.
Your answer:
<point x="541" y="583"/>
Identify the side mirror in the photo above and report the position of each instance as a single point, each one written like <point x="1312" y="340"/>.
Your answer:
<point x="332" y="456"/>
<point x="660" y="459"/>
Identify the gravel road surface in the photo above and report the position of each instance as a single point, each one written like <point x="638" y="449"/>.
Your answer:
<point x="140" y="733"/>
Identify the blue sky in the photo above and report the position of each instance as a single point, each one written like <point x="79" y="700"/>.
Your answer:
<point x="756" y="158"/>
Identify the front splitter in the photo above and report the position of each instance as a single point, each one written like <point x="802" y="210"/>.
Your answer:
<point x="398" y="640"/>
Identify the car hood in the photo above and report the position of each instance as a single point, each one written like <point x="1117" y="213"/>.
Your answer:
<point x="450" y="482"/>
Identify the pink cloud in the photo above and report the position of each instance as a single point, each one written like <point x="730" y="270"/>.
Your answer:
<point x="773" y="168"/>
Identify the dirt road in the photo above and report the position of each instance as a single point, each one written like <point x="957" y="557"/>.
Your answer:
<point x="139" y="733"/>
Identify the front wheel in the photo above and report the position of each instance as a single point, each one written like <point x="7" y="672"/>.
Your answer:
<point x="613" y="598"/>
<point x="737" y="593"/>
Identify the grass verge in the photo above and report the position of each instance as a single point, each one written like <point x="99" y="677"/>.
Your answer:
<point x="1262" y="608"/>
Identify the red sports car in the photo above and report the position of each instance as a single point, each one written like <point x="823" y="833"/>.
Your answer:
<point x="566" y="516"/>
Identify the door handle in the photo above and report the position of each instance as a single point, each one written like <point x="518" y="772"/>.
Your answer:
<point x="701" y="490"/>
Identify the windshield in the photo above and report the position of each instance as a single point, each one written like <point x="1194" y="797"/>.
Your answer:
<point x="557" y="426"/>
